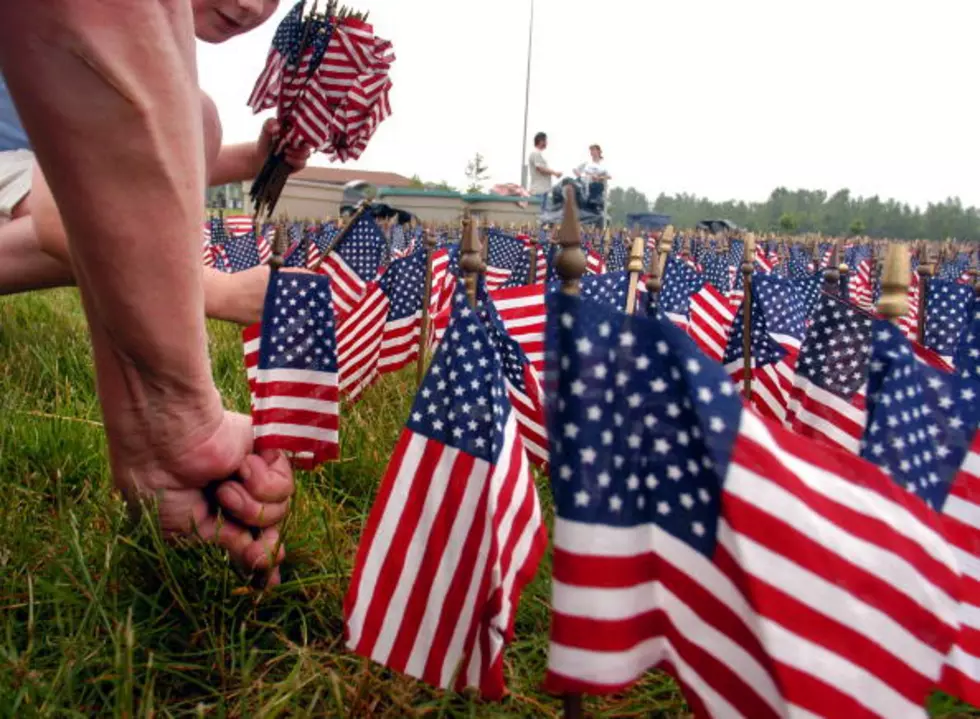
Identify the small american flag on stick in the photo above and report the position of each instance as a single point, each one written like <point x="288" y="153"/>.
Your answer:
<point x="295" y="386"/>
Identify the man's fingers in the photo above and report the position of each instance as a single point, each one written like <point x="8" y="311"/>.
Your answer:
<point x="235" y="499"/>
<point x="252" y="554"/>
<point x="268" y="478"/>
<point x="265" y="552"/>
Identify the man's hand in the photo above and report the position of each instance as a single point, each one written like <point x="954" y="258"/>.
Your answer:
<point x="240" y="296"/>
<point x="175" y="474"/>
<point x="268" y="139"/>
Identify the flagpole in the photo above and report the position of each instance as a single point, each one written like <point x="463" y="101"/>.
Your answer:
<point x="527" y="97"/>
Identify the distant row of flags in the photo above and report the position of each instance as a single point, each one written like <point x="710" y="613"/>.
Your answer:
<point x="808" y="549"/>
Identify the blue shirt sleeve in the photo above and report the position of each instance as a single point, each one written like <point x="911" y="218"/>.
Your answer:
<point x="12" y="134"/>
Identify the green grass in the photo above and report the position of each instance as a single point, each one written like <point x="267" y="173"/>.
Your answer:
<point x="99" y="617"/>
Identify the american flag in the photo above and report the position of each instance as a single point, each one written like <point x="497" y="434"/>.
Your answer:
<point x="296" y="378"/>
<point x="610" y="288"/>
<point x="716" y="272"/>
<point x="618" y="254"/>
<point x="522" y="382"/>
<point x="968" y="349"/>
<point x="922" y="428"/>
<point x="828" y="396"/>
<point x="778" y="326"/>
<point x="455" y="531"/>
<point x="217" y="238"/>
<point x="242" y="252"/>
<point x="712" y="315"/>
<point x="404" y="284"/>
<point x="522" y="311"/>
<point x="295" y="253"/>
<point x="800" y="263"/>
<point x="354" y="262"/>
<point x="765" y="261"/>
<point x="507" y="261"/>
<point x="772" y="576"/>
<point x="348" y="97"/>
<point x="284" y="52"/>
<point x="594" y="262"/>
<point x="947" y="314"/>
<point x="359" y="337"/>
<point x="909" y="323"/>
<point x="860" y="291"/>
<point x="680" y="282"/>
<point x="540" y="257"/>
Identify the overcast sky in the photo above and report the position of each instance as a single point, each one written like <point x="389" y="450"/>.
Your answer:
<point x="719" y="98"/>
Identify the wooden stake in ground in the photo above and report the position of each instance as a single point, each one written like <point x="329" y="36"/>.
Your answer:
<point x="571" y="265"/>
<point x="635" y="267"/>
<point x="470" y="259"/>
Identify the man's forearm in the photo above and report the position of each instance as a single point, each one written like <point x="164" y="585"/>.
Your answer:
<point x="236" y="163"/>
<point x="107" y="91"/>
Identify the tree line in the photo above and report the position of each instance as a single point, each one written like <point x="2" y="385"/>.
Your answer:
<point x="810" y="211"/>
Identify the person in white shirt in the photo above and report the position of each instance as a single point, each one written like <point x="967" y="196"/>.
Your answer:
<point x="594" y="170"/>
<point x="541" y="174"/>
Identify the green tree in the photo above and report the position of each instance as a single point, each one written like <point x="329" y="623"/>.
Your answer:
<point x="788" y="223"/>
<point x="626" y="202"/>
<point x="476" y="173"/>
<point x="857" y="226"/>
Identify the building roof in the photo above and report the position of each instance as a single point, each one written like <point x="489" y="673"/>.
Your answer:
<point x="338" y="176"/>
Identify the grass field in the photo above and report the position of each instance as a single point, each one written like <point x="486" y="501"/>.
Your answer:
<point x="98" y="616"/>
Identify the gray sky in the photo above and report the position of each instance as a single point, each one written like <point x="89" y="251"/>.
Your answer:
<point x="719" y="98"/>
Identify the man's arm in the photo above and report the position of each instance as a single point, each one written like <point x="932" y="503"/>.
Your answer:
<point x="242" y="162"/>
<point x="107" y="92"/>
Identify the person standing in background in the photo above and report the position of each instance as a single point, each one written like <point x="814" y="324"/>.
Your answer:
<point x="541" y="174"/>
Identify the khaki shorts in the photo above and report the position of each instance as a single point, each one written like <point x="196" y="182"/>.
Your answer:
<point x="16" y="171"/>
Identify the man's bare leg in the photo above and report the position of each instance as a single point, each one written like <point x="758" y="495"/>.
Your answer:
<point x="107" y="92"/>
<point x="23" y="265"/>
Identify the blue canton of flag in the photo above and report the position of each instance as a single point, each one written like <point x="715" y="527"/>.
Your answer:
<point x="288" y="39"/>
<point x="967" y="357"/>
<point x="736" y="250"/>
<point x="681" y="281"/>
<point x="325" y="236"/>
<point x="296" y="385"/>
<point x="782" y="305"/>
<point x="363" y="248"/>
<point x="507" y="254"/>
<point x="462" y="402"/>
<point x="808" y="288"/>
<point x="219" y="238"/>
<point x="618" y="255"/>
<point x="609" y="288"/>
<point x="765" y="350"/>
<point x="799" y="262"/>
<point x="243" y="252"/>
<point x="921" y="421"/>
<point x="716" y="271"/>
<point x="641" y="423"/>
<point x="295" y="254"/>
<point x="835" y="353"/>
<point x="404" y="283"/>
<point x="947" y="314"/>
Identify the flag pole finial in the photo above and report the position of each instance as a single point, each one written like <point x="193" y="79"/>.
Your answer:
<point x="570" y="262"/>
<point x="895" y="275"/>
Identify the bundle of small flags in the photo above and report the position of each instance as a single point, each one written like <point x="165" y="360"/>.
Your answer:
<point x="327" y="77"/>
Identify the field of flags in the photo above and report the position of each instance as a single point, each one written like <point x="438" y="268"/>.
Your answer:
<point x="763" y="452"/>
